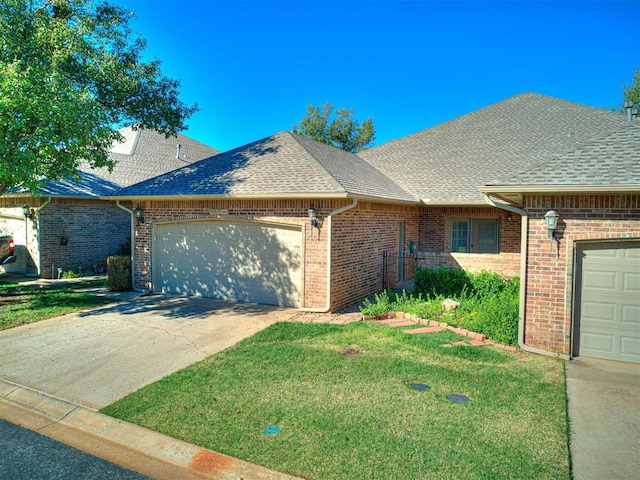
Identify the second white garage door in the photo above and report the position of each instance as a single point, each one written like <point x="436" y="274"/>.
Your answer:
<point x="608" y="320"/>
<point x="248" y="262"/>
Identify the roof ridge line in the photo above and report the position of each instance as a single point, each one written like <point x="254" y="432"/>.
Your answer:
<point x="294" y="136"/>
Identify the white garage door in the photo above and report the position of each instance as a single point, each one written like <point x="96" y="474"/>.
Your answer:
<point x="242" y="261"/>
<point x="609" y="301"/>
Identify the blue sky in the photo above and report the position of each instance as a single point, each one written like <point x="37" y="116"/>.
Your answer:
<point x="253" y="66"/>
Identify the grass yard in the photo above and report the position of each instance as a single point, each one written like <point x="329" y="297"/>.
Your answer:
<point x="342" y="398"/>
<point x="23" y="304"/>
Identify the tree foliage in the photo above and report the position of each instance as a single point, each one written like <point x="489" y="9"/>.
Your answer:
<point x="336" y="127"/>
<point x="71" y="75"/>
<point x="632" y="92"/>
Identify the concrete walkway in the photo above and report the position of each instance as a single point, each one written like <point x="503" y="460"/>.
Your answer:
<point x="604" y="416"/>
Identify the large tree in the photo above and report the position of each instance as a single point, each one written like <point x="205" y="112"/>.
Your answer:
<point x="336" y="127"/>
<point x="71" y="75"/>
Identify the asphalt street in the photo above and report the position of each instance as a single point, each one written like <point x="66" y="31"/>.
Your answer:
<point x="27" y="455"/>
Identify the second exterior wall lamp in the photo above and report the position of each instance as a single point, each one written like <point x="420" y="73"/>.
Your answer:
<point x="551" y="220"/>
<point x="139" y="214"/>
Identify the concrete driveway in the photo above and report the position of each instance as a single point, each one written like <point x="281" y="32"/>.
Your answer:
<point x="604" y="417"/>
<point x="95" y="357"/>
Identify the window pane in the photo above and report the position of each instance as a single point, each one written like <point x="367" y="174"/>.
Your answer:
<point x="460" y="236"/>
<point x="486" y="234"/>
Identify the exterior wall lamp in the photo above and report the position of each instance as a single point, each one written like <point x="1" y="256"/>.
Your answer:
<point x="551" y="219"/>
<point x="314" y="221"/>
<point x="138" y="213"/>
<point x="30" y="214"/>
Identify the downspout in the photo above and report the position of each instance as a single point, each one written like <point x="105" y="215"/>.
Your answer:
<point x="38" y="236"/>
<point x="133" y="243"/>
<point x="523" y="276"/>
<point x="327" y="306"/>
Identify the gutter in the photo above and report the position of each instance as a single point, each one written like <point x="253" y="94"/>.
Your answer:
<point x="38" y="236"/>
<point x="133" y="256"/>
<point x="327" y="306"/>
<point x="523" y="276"/>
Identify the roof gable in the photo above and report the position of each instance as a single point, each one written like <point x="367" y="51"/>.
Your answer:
<point x="284" y="164"/>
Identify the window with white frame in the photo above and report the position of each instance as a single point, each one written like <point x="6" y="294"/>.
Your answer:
<point x="473" y="235"/>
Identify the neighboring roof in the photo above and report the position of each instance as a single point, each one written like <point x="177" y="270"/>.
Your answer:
<point x="282" y="165"/>
<point x="447" y="164"/>
<point x="144" y="154"/>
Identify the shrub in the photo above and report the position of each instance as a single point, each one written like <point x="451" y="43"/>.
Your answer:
<point x="383" y="304"/>
<point x="71" y="274"/>
<point x="487" y="284"/>
<point x="488" y="303"/>
<point x="118" y="273"/>
<point x="448" y="282"/>
<point x="498" y="315"/>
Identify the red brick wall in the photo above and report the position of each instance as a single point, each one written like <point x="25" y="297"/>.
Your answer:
<point x="549" y="279"/>
<point x="94" y="229"/>
<point x="433" y="243"/>
<point x="290" y="212"/>
<point x="360" y="236"/>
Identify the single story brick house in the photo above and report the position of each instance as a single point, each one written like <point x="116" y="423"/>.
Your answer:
<point x="288" y="221"/>
<point x="69" y="226"/>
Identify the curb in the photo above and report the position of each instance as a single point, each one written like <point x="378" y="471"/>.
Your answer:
<point x="139" y="449"/>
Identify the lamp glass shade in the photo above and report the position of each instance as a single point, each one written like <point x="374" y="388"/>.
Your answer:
<point x="138" y="212"/>
<point x="26" y="210"/>
<point x="312" y="213"/>
<point x="551" y="218"/>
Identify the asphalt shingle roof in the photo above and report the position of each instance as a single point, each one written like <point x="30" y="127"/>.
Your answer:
<point x="446" y="164"/>
<point x="279" y="165"/>
<point x="144" y="154"/>
<point x="612" y="160"/>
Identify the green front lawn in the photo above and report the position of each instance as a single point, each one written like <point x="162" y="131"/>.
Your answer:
<point x="23" y="304"/>
<point x="342" y="398"/>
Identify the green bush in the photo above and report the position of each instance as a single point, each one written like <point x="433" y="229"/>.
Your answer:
<point x="383" y="304"/>
<point x="119" y="273"/>
<point x="487" y="284"/>
<point x="71" y="274"/>
<point x="449" y="282"/>
<point x="489" y="304"/>
<point x="497" y="315"/>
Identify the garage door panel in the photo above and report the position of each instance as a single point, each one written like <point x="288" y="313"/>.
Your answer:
<point x="599" y="312"/>
<point x="631" y="283"/>
<point x="245" y="262"/>
<point x="600" y="280"/>
<point x="631" y="316"/>
<point x="598" y="342"/>
<point x="629" y="347"/>
<point x="608" y="318"/>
